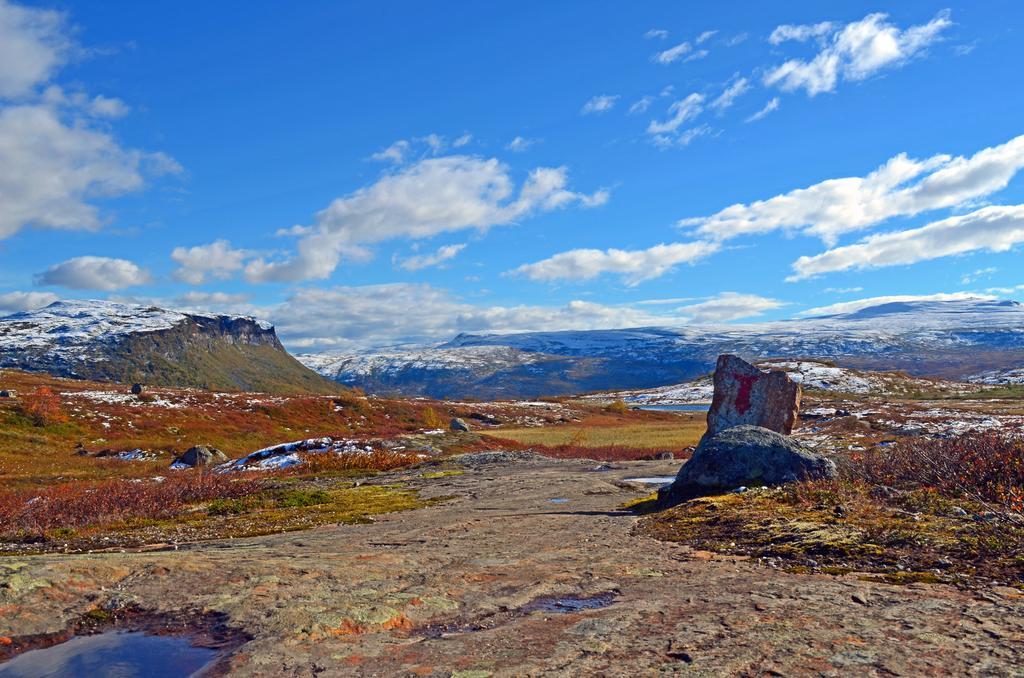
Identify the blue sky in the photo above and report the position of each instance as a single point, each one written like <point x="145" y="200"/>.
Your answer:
<point x="376" y="173"/>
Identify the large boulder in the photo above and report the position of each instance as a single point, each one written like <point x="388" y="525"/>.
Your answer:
<point x="200" y="455"/>
<point x="746" y="395"/>
<point x="459" y="425"/>
<point x="744" y="456"/>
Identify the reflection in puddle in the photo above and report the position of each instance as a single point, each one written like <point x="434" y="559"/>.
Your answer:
<point x="652" y="480"/>
<point x="567" y="604"/>
<point x="117" y="654"/>
<point x="559" y="501"/>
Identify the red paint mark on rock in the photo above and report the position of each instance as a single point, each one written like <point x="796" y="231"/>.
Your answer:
<point x="746" y="382"/>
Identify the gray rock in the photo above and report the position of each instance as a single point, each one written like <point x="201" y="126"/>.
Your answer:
<point x="744" y="456"/>
<point x="5" y="394"/>
<point x="137" y="389"/>
<point x="746" y="395"/>
<point x="459" y="425"/>
<point x="200" y="455"/>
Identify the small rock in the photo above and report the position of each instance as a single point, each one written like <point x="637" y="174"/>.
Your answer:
<point x="958" y="511"/>
<point x="459" y="425"/>
<point x="137" y="389"/>
<point x="860" y="598"/>
<point x="5" y="394"/>
<point x="664" y="455"/>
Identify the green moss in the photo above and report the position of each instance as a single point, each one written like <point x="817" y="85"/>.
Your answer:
<point x="300" y="497"/>
<point x="433" y="475"/>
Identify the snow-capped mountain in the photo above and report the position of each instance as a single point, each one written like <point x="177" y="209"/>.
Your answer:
<point x="950" y="339"/>
<point x="108" y="341"/>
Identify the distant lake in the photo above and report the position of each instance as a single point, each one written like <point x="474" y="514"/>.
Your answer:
<point x="692" y="407"/>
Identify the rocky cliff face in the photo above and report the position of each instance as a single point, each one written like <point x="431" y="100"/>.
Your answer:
<point x="126" y="343"/>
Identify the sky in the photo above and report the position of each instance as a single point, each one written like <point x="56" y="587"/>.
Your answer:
<point x="375" y="174"/>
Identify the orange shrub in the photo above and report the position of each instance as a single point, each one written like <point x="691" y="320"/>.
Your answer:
<point x="43" y="407"/>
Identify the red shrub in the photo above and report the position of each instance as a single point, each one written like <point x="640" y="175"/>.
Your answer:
<point x="76" y="505"/>
<point x="984" y="466"/>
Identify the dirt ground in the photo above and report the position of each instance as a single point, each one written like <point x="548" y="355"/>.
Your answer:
<point x="528" y="569"/>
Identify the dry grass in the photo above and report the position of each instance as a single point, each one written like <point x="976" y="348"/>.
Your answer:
<point x="678" y="433"/>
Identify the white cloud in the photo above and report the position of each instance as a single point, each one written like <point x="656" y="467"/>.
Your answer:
<point x="433" y="196"/>
<point x="656" y="33"/>
<point x="681" y="111"/>
<point x="634" y="266"/>
<point x="859" y="304"/>
<point x="216" y="302"/>
<point x="33" y="45"/>
<point x="728" y="306"/>
<point x="395" y="153"/>
<point x="992" y="229"/>
<point x="705" y="36"/>
<point x="737" y="39"/>
<point x="599" y="104"/>
<point x="217" y="260"/>
<point x="376" y="315"/>
<point x="770" y="107"/>
<point x="853" y="52"/>
<point x="520" y="144"/>
<point x="697" y="56"/>
<point x="420" y="261"/>
<point x="14" y="302"/>
<point x="94" y="273"/>
<point x="683" y="138"/>
<point x="801" y="33"/>
<point x="901" y="187"/>
<point x="463" y="140"/>
<point x="973" y="276"/>
<point x="842" y="290"/>
<point x="641" y="105"/>
<point x="673" y="54"/>
<point x="53" y="159"/>
<point x="728" y="97"/>
<point x="108" y="107"/>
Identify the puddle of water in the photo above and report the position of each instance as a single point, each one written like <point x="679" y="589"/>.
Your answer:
<point x="652" y="480"/>
<point x="697" y="407"/>
<point x="568" y="604"/>
<point x="559" y="501"/>
<point x="114" y="654"/>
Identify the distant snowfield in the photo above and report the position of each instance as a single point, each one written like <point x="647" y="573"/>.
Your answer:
<point x="810" y="374"/>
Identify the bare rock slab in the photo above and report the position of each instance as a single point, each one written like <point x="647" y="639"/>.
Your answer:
<point x="746" y="395"/>
<point x="744" y="456"/>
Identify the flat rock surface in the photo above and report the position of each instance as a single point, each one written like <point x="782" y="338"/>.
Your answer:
<point x="529" y="569"/>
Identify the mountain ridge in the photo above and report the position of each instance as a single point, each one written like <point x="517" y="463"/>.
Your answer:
<point x="924" y="338"/>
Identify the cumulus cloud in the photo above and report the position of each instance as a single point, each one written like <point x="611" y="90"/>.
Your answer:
<point x="681" y="112"/>
<point x="94" y="273"/>
<point x="728" y="97"/>
<point x="14" y="302"/>
<point x="859" y="304"/>
<point x="634" y="266"/>
<point x="217" y="260"/>
<point x="433" y="196"/>
<point x="54" y="160"/>
<point x="601" y="103"/>
<point x="767" y="109"/>
<point x="901" y="187"/>
<point x="216" y="302"/>
<point x="441" y="255"/>
<point x="33" y="46"/>
<point x="992" y="229"/>
<point x="730" y="306"/>
<point x="853" y="52"/>
<point x="673" y="54"/>
<point x="376" y="315"/>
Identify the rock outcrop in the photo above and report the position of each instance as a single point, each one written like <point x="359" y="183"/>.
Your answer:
<point x="746" y="395"/>
<point x="198" y="456"/>
<point x="744" y="456"/>
<point x="459" y="425"/>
